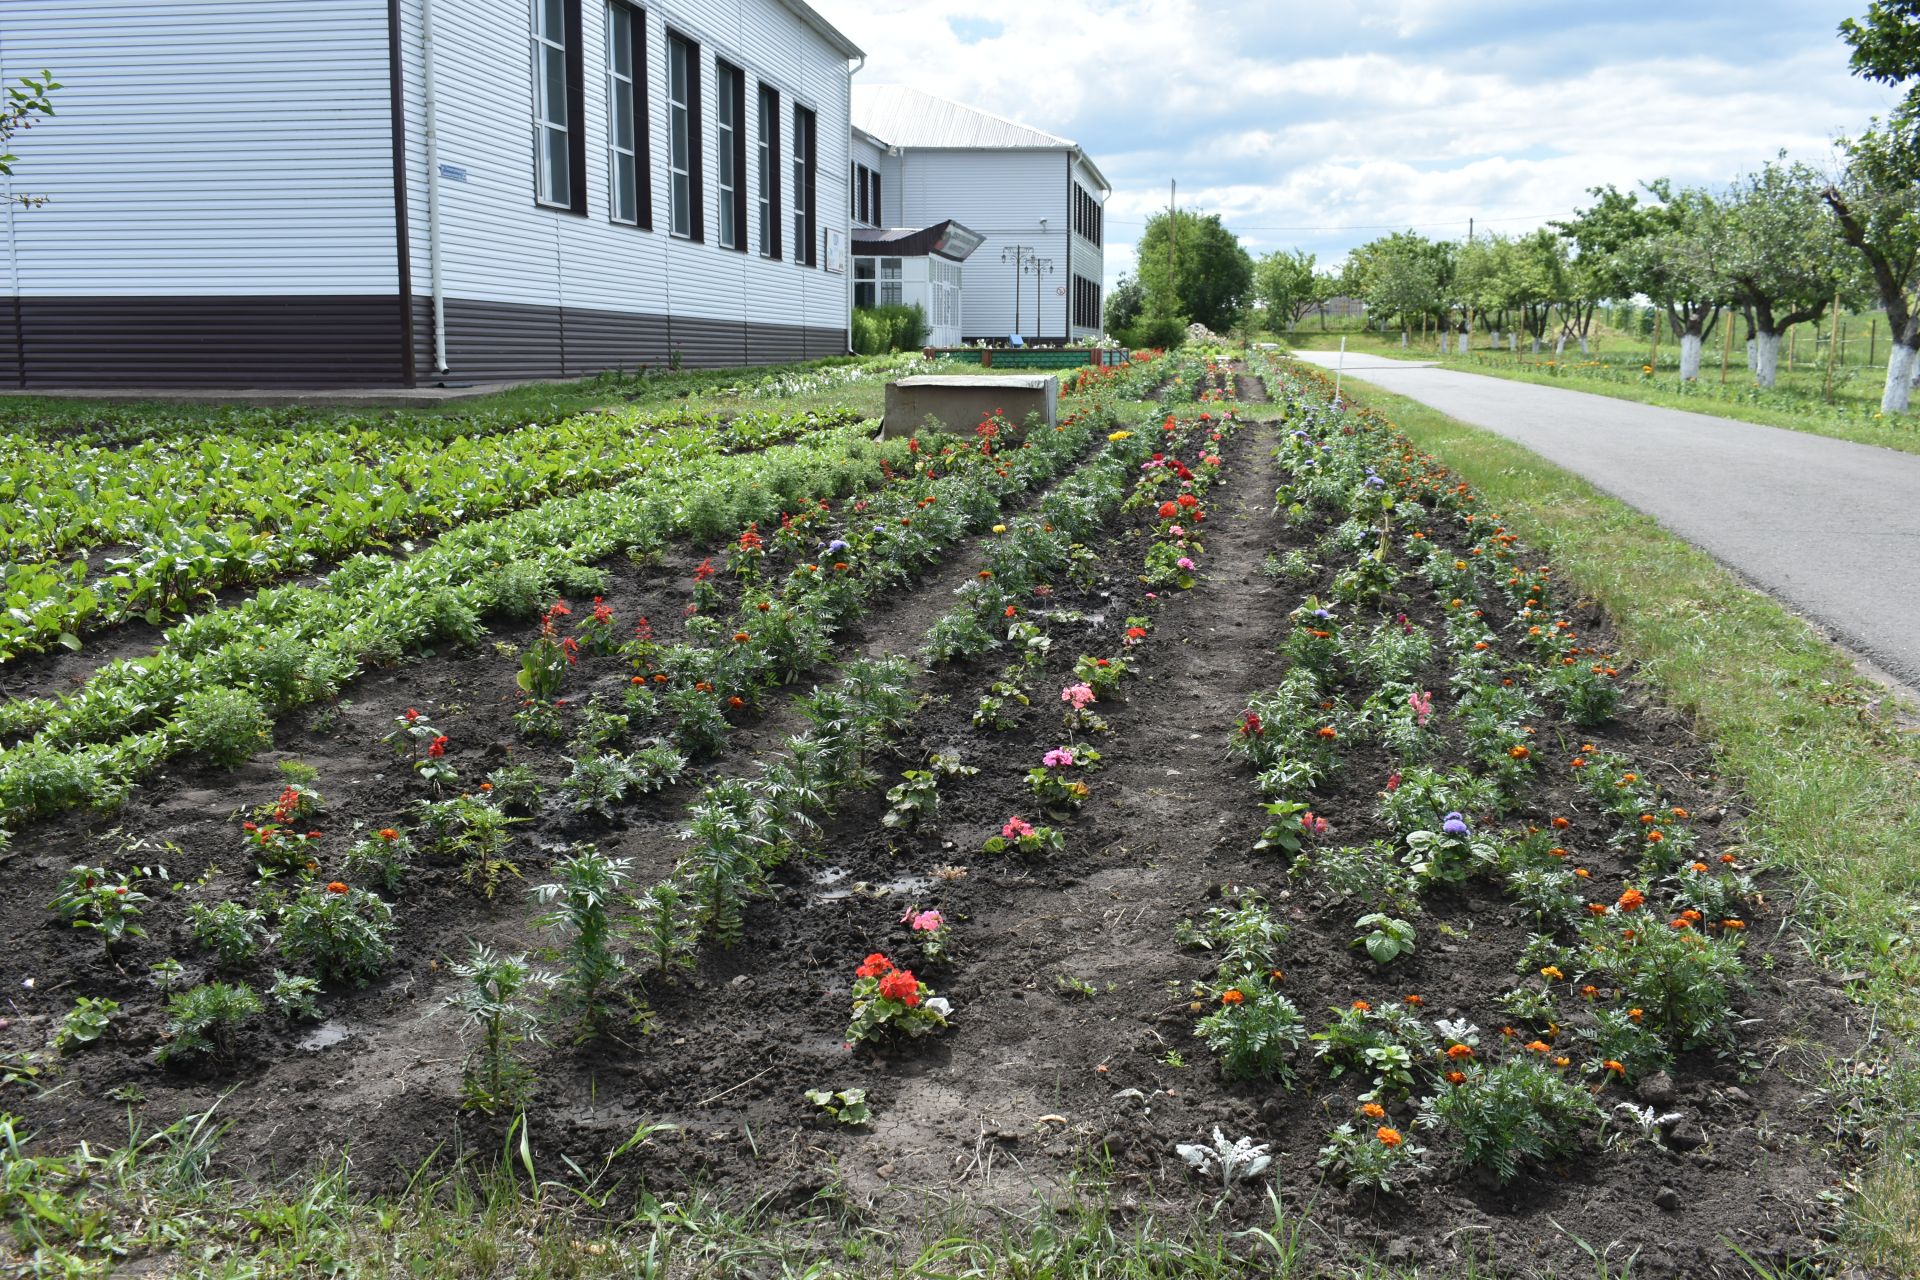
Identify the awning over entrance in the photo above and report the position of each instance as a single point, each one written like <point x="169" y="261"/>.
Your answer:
<point x="947" y="240"/>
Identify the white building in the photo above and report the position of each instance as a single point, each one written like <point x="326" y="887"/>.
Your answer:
<point x="1035" y="201"/>
<point x="330" y="192"/>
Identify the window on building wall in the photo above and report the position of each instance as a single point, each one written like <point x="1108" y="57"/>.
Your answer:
<point x="559" y="142"/>
<point x="891" y="293"/>
<point x="879" y="219"/>
<point x="806" y="249"/>
<point x="864" y="294"/>
<point x="729" y="111"/>
<point x="688" y="214"/>
<point x="863" y="195"/>
<point x="629" y="186"/>
<point x="769" y="130"/>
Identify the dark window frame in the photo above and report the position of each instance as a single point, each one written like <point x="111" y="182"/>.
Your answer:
<point x="642" y="120"/>
<point x="771" y="158"/>
<point x="573" y="54"/>
<point x="696" y="231"/>
<point x="806" y="155"/>
<point x="737" y="100"/>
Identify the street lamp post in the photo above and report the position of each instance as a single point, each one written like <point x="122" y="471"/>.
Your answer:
<point x="1018" y="255"/>
<point x="1039" y="267"/>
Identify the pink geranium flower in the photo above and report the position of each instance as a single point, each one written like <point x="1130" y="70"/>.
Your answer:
<point x="1078" y="694"/>
<point x="1058" y="758"/>
<point x="1016" y="829"/>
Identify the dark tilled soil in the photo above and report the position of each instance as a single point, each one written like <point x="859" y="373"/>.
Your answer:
<point x="1031" y="1084"/>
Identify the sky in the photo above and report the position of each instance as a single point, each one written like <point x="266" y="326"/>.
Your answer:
<point x="1322" y="125"/>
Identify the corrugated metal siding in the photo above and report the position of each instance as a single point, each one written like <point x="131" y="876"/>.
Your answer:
<point x="297" y="340"/>
<point x="499" y="247"/>
<point x="1002" y="195"/>
<point x="205" y="147"/>
<point x="9" y="344"/>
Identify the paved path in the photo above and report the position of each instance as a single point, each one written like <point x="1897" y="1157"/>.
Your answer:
<point x="1828" y="527"/>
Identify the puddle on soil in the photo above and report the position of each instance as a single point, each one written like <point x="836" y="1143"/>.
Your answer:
<point x="325" y="1036"/>
<point x="836" y="887"/>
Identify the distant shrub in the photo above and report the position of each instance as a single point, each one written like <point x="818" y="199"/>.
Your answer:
<point x="879" y="330"/>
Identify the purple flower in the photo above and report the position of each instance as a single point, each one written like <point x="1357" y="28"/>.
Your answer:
<point x="837" y="544"/>
<point x="1455" y="825"/>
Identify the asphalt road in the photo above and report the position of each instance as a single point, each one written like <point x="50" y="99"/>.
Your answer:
<point x="1828" y="527"/>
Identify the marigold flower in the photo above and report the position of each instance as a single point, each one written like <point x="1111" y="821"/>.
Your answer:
<point x="337" y="886"/>
<point x="1561" y="824"/>
<point x="1460" y="1052"/>
<point x="1416" y="1001"/>
<point x="1556" y="852"/>
<point x="1733" y="924"/>
<point x="1373" y="1111"/>
<point x="1328" y="731"/>
<point x="1552" y="973"/>
<point x="1456" y="1077"/>
<point x="1539" y="1046"/>
<point x="1596" y="908"/>
<point x="1631" y="900"/>
<point x="1636" y="1015"/>
<point x="388" y="833"/>
<point x="1363" y="1006"/>
<point x="1617" y="1068"/>
<point x="1389" y="1137"/>
<point x="1231" y="996"/>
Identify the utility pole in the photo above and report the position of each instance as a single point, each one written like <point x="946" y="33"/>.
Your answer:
<point x="1173" y="238"/>
<point x="1017" y="255"/>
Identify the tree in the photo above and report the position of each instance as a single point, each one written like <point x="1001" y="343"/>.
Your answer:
<point x="1601" y="236"/>
<point x="1782" y="256"/>
<point x="1289" y="287"/>
<point x="1678" y="266"/>
<point x="1400" y="277"/>
<point x="24" y="101"/>
<point x="1483" y="280"/>
<point x="1886" y="48"/>
<point x="1877" y="204"/>
<point x="1190" y="264"/>
<point x="1125" y="304"/>
<point x="1536" y="271"/>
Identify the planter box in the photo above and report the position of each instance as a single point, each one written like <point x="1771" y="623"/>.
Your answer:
<point x="960" y="404"/>
<point x="1033" y="357"/>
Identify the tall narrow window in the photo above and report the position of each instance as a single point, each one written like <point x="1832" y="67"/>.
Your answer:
<point x="559" y="143"/>
<point x="687" y="218"/>
<point x="878" y="219"/>
<point x="769" y="123"/>
<point x="629" y="183"/>
<point x="730" y="139"/>
<point x="805" y="249"/>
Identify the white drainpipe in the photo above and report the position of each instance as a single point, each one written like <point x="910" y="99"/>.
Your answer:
<point x="847" y="280"/>
<point x="433" y="190"/>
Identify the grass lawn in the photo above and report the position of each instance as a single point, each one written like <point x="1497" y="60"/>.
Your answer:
<point x="1832" y="779"/>
<point x="1798" y="403"/>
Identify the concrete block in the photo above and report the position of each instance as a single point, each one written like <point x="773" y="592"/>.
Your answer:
<point x="959" y="404"/>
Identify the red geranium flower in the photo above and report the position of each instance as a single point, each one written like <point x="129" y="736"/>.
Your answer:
<point x="901" y="985"/>
<point x="873" y="966"/>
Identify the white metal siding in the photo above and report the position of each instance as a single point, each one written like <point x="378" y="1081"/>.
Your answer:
<point x="498" y="246"/>
<point x="203" y="148"/>
<point x="1003" y="195"/>
<point x="1089" y="259"/>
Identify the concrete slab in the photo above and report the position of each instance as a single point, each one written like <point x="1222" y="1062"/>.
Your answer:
<point x="959" y="404"/>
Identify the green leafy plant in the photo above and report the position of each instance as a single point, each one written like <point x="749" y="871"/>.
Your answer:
<point x="225" y="725"/>
<point x="297" y="998"/>
<point x="1386" y="1044"/>
<point x="91" y="898"/>
<point x="665" y="928"/>
<point x="1018" y="836"/>
<point x="474" y="831"/>
<point x="1511" y="1113"/>
<point x="202" y="1021"/>
<point x="233" y="931"/>
<point x="340" y="933"/>
<point x="382" y="859"/>
<point x="580" y="905"/>
<point x="1371" y="1155"/>
<point x="1386" y="939"/>
<point x="498" y="1002"/>
<point x="514" y="788"/>
<point x="1254" y="1031"/>
<point x="84" y="1024"/>
<point x="843" y="1106"/>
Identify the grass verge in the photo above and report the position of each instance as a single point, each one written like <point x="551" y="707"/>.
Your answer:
<point x="1833" y="783"/>
<point x="1796" y="405"/>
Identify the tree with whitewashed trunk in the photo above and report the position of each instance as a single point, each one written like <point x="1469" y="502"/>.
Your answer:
<point x="1402" y="277"/>
<point x="1679" y="266"/>
<point x="1601" y="235"/>
<point x="1782" y="256"/>
<point x="1537" y="281"/>
<point x="1483" y="281"/>
<point x="1877" y="206"/>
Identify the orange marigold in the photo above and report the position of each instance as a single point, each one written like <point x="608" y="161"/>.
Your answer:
<point x="1389" y="1136"/>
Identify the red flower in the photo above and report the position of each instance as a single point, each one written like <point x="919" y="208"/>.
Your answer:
<point x="388" y="833"/>
<point x="438" y="747"/>
<point x="873" y="966"/>
<point x="1188" y="500"/>
<point x="337" y="886"/>
<point x="1168" y="511"/>
<point x="901" y="985"/>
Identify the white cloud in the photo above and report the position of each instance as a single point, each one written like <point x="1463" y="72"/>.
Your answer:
<point x="1299" y="121"/>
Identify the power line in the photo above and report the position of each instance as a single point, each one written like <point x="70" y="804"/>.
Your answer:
<point x="1379" y="226"/>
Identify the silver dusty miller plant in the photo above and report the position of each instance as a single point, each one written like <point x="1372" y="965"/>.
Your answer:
<point x="1239" y="1161"/>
